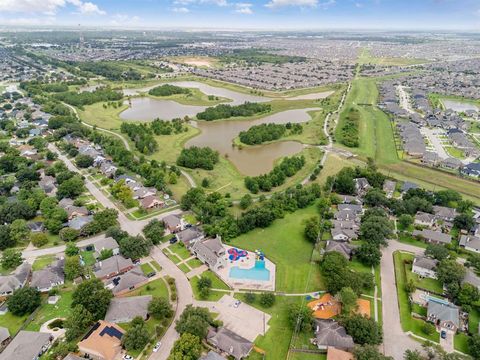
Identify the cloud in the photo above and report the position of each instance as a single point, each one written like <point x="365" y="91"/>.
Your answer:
<point x="182" y="10"/>
<point x="48" y="7"/>
<point x="30" y="21"/>
<point x="124" y="19"/>
<point x="301" y="3"/>
<point x="190" y="2"/>
<point x="243" y="8"/>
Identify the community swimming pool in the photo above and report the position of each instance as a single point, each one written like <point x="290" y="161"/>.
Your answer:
<point x="258" y="272"/>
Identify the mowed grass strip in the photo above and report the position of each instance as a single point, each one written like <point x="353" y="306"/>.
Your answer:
<point x="284" y="244"/>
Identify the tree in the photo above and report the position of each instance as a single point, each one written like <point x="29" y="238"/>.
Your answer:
<point x="160" y="308"/>
<point x="246" y="201"/>
<point x="437" y="251"/>
<point x="55" y="220"/>
<point x="205" y="182"/>
<point x="369" y="352"/>
<point x="19" y="231"/>
<point x="348" y="298"/>
<point x="312" y="229"/>
<point x="188" y="347"/>
<point x="369" y="254"/>
<point x="83" y="161"/>
<point x="464" y="222"/>
<point x="449" y="271"/>
<point x="71" y="188"/>
<point x="427" y="328"/>
<point x="468" y="295"/>
<point x="154" y="231"/>
<point x="195" y="321"/>
<point x="11" y="259"/>
<point x="47" y="205"/>
<point x="375" y="197"/>
<point x="71" y="249"/>
<point x="77" y="323"/>
<point x="6" y="240"/>
<point x="405" y="221"/>
<point x="363" y="330"/>
<point x="93" y="296"/>
<point x="376" y="229"/>
<point x="300" y="318"/>
<point x="267" y="299"/>
<point x="24" y="301"/>
<point x="68" y="234"/>
<point x="250" y="297"/>
<point x="412" y="355"/>
<point x="136" y="337"/>
<point x="105" y="254"/>
<point x="204" y="285"/>
<point x="39" y="239"/>
<point x="135" y="247"/>
<point x="474" y="346"/>
<point x="106" y="218"/>
<point x="73" y="268"/>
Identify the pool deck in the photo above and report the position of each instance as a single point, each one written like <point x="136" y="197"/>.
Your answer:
<point x="247" y="262"/>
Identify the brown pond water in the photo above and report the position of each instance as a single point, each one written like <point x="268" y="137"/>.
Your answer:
<point x="252" y="160"/>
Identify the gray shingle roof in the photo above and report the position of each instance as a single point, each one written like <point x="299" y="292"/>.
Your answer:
<point x="122" y="310"/>
<point x="230" y="342"/>
<point x="442" y="312"/>
<point x="25" y="346"/>
<point x="330" y="333"/>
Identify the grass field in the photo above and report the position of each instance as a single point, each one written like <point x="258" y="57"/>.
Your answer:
<point x="157" y="288"/>
<point x="48" y="312"/>
<point x="42" y="261"/>
<point x="367" y="58"/>
<point x="283" y="243"/>
<point x="408" y="322"/>
<point x="196" y="98"/>
<point x="97" y="115"/>
<point x="11" y="322"/>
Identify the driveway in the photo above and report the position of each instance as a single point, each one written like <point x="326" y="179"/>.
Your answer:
<point x="396" y="341"/>
<point x="447" y="343"/>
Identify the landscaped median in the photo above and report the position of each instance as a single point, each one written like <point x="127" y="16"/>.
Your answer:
<point x="409" y="323"/>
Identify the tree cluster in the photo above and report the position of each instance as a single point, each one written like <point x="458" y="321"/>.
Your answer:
<point x="198" y="157"/>
<point x="225" y="111"/>
<point x="259" y="134"/>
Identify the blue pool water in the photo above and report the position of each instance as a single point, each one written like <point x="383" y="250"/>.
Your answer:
<point x="258" y="272"/>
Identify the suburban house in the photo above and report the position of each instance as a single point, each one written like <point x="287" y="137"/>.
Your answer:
<point x="337" y="354"/>
<point x="340" y="234"/>
<point x="74" y="211"/>
<point x="123" y="310"/>
<point x="446" y="316"/>
<point x="471" y="278"/>
<point x="389" y="188"/>
<point x="346" y="215"/>
<point x="112" y="266"/>
<point x="15" y="280"/>
<point x="343" y="248"/>
<point x="190" y="235"/>
<point x="472" y="169"/>
<point x="143" y="192"/>
<point x="357" y="209"/>
<point x="435" y="237"/>
<point x="470" y="242"/>
<point x="229" y="343"/>
<point x="47" y="184"/>
<point x="108" y="169"/>
<point x="27" y="345"/>
<point x="348" y="199"/>
<point x="151" y="202"/>
<point x="127" y="281"/>
<point x="47" y="278"/>
<point x="407" y="185"/>
<point x="36" y="226"/>
<point x="445" y="213"/>
<point x="212" y="355"/>
<point x="108" y="243"/>
<point x="211" y="252"/>
<point x="329" y="333"/>
<point x="424" y="219"/>
<point x="362" y="186"/>
<point x="102" y="342"/>
<point x="174" y="223"/>
<point x="79" y="222"/>
<point x="425" y="267"/>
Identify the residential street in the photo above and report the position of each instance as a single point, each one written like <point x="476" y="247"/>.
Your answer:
<point x="396" y="341"/>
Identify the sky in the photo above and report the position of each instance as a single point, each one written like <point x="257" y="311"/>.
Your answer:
<point x="246" y="14"/>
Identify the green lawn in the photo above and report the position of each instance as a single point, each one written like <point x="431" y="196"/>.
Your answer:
<point x="88" y="258"/>
<point x="217" y="283"/>
<point x="409" y="239"/>
<point x="156" y="265"/>
<point x="284" y="244"/>
<point x="184" y="268"/>
<point x="408" y="322"/>
<point x="146" y="268"/>
<point x="12" y="322"/>
<point x="172" y="257"/>
<point x="194" y="263"/>
<point x="157" y="288"/>
<point x="460" y="343"/>
<point x="42" y="261"/>
<point x="180" y="249"/>
<point x="276" y="341"/>
<point x="48" y="312"/>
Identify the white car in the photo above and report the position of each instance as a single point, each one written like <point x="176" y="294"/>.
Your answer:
<point x="237" y="304"/>
<point x="127" y="357"/>
<point x="157" y="346"/>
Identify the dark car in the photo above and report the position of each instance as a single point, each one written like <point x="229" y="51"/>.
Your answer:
<point x="173" y="240"/>
<point x="443" y="334"/>
<point x="151" y="274"/>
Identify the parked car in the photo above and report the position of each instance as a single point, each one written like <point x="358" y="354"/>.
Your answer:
<point x="127" y="357"/>
<point x="173" y="240"/>
<point x="443" y="334"/>
<point x="151" y="274"/>
<point x="237" y="304"/>
<point x="157" y="346"/>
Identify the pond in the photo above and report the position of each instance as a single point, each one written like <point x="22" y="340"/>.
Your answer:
<point x="251" y="160"/>
<point x="459" y="106"/>
<point x="236" y="97"/>
<point x="148" y="109"/>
